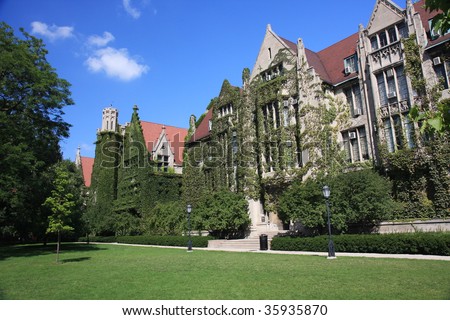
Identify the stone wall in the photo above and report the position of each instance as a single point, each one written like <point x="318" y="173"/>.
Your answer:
<point x="414" y="226"/>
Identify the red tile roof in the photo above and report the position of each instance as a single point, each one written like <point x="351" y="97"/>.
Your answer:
<point x="329" y="62"/>
<point x="174" y="135"/>
<point x="333" y="57"/>
<point x="202" y="131"/>
<point x="87" y="164"/>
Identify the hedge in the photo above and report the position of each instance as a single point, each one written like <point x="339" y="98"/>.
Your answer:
<point x="107" y="239"/>
<point x="398" y="243"/>
<point x="171" y="241"/>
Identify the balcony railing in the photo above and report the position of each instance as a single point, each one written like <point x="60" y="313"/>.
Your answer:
<point x="394" y="108"/>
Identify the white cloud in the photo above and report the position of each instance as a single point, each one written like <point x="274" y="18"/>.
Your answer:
<point x="52" y="32"/>
<point x="116" y="63"/>
<point x="101" y="41"/>
<point x="135" y="13"/>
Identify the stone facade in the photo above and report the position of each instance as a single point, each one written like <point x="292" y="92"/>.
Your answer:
<point x="299" y="111"/>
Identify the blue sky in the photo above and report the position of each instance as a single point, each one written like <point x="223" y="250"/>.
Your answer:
<point x="169" y="57"/>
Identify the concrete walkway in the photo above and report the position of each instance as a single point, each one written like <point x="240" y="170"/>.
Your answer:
<point x="305" y="253"/>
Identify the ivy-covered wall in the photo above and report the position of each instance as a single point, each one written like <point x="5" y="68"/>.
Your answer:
<point x="126" y="185"/>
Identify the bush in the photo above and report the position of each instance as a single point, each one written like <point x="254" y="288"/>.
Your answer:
<point x="223" y="213"/>
<point x="108" y="239"/>
<point x="166" y="219"/>
<point x="358" y="201"/>
<point x="399" y="243"/>
<point x="171" y="241"/>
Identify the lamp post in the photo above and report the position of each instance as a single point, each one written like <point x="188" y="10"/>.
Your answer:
<point x="326" y="195"/>
<point x="189" y="210"/>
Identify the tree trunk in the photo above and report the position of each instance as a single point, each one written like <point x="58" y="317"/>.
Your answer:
<point x="57" y="246"/>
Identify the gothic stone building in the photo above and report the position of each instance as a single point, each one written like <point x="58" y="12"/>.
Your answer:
<point x="135" y="165"/>
<point x="300" y="111"/>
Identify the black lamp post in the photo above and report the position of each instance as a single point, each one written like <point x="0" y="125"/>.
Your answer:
<point x="189" y="210"/>
<point x="326" y="195"/>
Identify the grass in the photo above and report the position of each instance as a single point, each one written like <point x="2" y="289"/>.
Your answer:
<point x="140" y="273"/>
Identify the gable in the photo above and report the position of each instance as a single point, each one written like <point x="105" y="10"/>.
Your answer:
<point x="271" y="45"/>
<point x="384" y="14"/>
<point x="173" y="135"/>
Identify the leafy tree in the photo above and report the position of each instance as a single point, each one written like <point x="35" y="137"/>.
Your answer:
<point x="32" y="97"/>
<point x="358" y="199"/>
<point x="63" y="202"/>
<point x="166" y="218"/>
<point x="440" y="22"/>
<point x="303" y="202"/>
<point x="224" y="213"/>
<point x="361" y="199"/>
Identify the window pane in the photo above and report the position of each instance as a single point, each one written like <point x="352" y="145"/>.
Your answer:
<point x="398" y="131"/>
<point x="363" y="143"/>
<point x="382" y="89"/>
<point x="402" y="85"/>
<point x="409" y="131"/>
<point x="358" y="101"/>
<point x="348" y="93"/>
<point x="388" y="134"/>
<point x="402" y="30"/>
<point x="383" y="39"/>
<point x="391" y="87"/>
<point x="355" y="149"/>
<point x="392" y="35"/>
<point x="374" y="43"/>
<point x="348" y="155"/>
<point x="286" y="116"/>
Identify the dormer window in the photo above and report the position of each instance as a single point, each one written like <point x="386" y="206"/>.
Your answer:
<point x="350" y="64"/>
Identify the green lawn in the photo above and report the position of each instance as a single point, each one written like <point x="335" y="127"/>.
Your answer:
<point x="124" y="272"/>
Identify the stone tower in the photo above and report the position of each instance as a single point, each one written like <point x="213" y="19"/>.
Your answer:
<point x="110" y="119"/>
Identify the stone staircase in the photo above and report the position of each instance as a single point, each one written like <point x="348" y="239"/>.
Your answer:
<point x="235" y="245"/>
<point x="249" y="244"/>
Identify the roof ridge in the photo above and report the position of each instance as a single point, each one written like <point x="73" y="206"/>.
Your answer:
<point x="335" y="43"/>
<point x="163" y="124"/>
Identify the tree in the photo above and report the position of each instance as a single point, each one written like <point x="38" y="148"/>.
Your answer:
<point x="303" y="202"/>
<point x="440" y="22"/>
<point x="224" y="213"/>
<point x="62" y="202"/>
<point x="166" y="218"/>
<point x="32" y="97"/>
<point x="359" y="200"/>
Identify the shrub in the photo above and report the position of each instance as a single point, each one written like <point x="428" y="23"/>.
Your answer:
<point x="399" y="243"/>
<point x="167" y="219"/>
<point x="171" y="241"/>
<point x="98" y="239"/>
<point x="223" y="213"/>
<point x="358" y="199"/>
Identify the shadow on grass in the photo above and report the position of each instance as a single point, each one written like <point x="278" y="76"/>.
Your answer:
<point x="75" y="259"/>
<point x="30" y="250"/>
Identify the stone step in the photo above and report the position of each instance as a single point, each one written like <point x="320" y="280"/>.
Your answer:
<point x="241" y="244"/>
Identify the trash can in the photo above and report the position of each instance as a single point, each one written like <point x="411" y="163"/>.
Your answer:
<point x="263" y="242"/>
